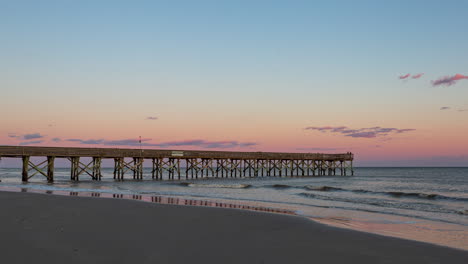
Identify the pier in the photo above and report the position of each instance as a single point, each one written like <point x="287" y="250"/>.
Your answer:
<point x="178" y="164"/>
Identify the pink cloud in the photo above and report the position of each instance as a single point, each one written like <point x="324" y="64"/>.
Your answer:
<point x="319" y="149"/>
<point x="402" y="77"/>
<point x="367" y="132"/>
<point x="146" y="143"/>
<point x="327" y="128"/>
<point x="449" y="80"/>
<point x="417" y="76"/>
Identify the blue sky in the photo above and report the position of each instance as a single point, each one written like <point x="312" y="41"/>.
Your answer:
<point x="257" y="63"/>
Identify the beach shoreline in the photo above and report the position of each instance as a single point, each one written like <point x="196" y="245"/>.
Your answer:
<point x="53" y="228"/>
<point x="436" y="233"/>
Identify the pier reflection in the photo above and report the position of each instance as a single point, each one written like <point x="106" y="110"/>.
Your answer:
<point x="154" y="199"/>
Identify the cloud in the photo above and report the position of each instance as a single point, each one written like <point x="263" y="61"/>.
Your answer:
<point x="151" y="118"/>
<point x="463" y="110"/>
<point x="12" y="135"/>
<point x="205" y="144"/>
<point x="56" y="139"/>
<point x="32" y="136"/>
<point x="31" y="142"/>
<point x="196" y="142"/>
<point x="402" y="77"/>
<point x="417" y="76"/>
<point x="126" y="142"/>
<point x="444" y="108"/>
<point x="87" y="142"/>
<point x="327" y="128"/>
<point x="226" y="144"/>
<point x="319" y="149"/>
<point x="146" y="143"/>
<point x="449" y="80"/>
<point x="369" y="132"/>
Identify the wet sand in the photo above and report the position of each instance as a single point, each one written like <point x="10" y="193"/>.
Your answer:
<point x="57" y="229"/>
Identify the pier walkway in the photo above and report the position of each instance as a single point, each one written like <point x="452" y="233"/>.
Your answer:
<point x="179" y="164"/>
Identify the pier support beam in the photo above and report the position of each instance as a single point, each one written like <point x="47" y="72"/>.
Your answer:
<point x="118" y="169"/>
<point x="171" y="165"/>
<point x="45" y="168"/>
<point x="121" y="166"/>
<point x="137" y="168"/>
<point x="50" y="169"/>
<point x="25" y="169"/>
<point x="93" y="168"/>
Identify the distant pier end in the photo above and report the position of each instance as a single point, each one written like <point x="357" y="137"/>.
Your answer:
<point x="179" y="164"/>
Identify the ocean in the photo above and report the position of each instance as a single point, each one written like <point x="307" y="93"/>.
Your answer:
<point x="402" y="202"/>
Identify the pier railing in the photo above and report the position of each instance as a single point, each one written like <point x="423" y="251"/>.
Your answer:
<point x="179" y="164"/>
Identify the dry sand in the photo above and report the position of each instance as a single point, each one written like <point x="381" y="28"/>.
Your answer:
<point x="38" y="228"/>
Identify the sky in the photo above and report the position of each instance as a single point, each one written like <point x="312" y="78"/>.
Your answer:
<point x="386" y="80"/>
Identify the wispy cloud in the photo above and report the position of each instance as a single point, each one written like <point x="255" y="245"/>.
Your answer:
<point x="449" y="80"/>
<point x="368" y="132"/>
<point x="13" y="135"/>
<point x="87" y="141"/>
<point x="31" y="142"/>
<point x="126" y="142"/>
<point x="152" y="118"/>
<point x="444" y="108"/>
<point x="402" y="77"/>
<point x="327" y="128"/>
<point x="463" y="110"/>
<point x="407" y="76"/>
<point x="56" y="139"/>
<point x="319" y="149"/>
<point x="32" y="136"/>
<point x="202" y="144"/>
<point x="417" y="76"/>
<point x="146" y="143"/>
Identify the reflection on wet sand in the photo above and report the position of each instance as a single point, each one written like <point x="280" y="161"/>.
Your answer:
<point x="154" y="199"/>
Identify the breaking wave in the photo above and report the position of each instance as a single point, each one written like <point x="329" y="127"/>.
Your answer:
<point x="425" y="207"/>
<point x="281" y="186"/>
<point x="230" y="186"/>
<point x="324" y="188"/>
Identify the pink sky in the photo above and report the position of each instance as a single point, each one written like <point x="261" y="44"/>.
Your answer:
<point x="440" y="137"/>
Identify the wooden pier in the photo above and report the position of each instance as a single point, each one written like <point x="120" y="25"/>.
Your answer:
<point x="179" y="164"/>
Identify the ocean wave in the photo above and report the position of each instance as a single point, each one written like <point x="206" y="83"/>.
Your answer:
<point x="229" y="186"/>
<point x="418" y="195"/>
<point x="429" y="196"/>
<point x="307" y="187"/>
<point x="396" y="194"/>
<point x="384" y="203"/>
<point x="281" y="186"/>
<point x="322" y="188"/>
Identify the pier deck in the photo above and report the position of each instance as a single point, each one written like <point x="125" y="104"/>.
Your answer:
<point x="179" y="164"/>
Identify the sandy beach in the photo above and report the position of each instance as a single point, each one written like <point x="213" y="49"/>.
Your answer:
<point x="56" y="229"/>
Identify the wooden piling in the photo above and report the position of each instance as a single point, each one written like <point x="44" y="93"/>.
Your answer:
<point x="50" y="168"/>
<point x="25" y="168"/>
